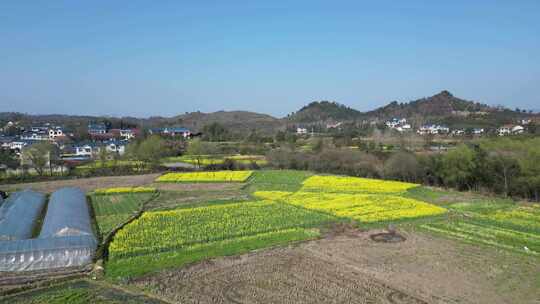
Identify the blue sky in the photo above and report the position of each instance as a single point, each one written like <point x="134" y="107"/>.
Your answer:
<point x="146" y="58"/>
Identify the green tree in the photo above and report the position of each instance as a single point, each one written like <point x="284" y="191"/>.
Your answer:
<point x="457" y="168"/>
<point x="8" y="160"/>
<point x="215" y="132"/>
<point x="39" y="155"/>
<point x="318" y="145"/>
<point x="280" y="136"/>
<point x="150" y="151"/>
<point x="103" y="156"/>
<point x="402" y="166"/>
<point x="198" y="149"/>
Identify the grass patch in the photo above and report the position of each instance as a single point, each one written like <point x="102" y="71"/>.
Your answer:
<point x="112" y="210"/>
<point x="498" y="223"/>
<point x="78" y="292"/>
<point x="278" y="180"/>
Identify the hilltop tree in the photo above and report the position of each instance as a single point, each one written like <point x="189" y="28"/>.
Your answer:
<point x="215" y="132"/>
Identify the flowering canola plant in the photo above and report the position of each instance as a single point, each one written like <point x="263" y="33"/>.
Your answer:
<point x="210" y="176"/>
<point x="366" y="208"/>
<point x="121" y="190"/>
<point x="175" y="229"/>
<point x="332" y="183"/>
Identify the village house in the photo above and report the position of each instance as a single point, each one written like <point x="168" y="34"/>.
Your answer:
<point x="518" y="129"/>
<point x="35" y="135"/>
<point x="398" y="124"/>
<point x="478" y="131"/>
<point x="505" y="130"/>
<point x="92" y="149"/>
<point x="433" y="129"/>
<point x="510" y="129"/>
<point x="56" y="132"/>
<point x="97" y="129"/>
<point x="171" y="131"/>
<point x="301" y="130"/>
<point x="458" y="132"/>
<point x="128" y="134"/>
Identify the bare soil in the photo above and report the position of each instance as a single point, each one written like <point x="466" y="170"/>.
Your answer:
<point x="351" y="268"/>
<point x="87" y="184"/>
<point x="92" y="183"/>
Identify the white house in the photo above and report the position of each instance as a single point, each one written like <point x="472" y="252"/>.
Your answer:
<point x="433" y="129"/>
<point x="35" y="135"/>
<point x="56" y="132"/>
<point x="505" y="130"/>
<point x="17" y="145"/>
<point x="518" y="130"/>
<point x="85" y="150"/>
<point x="458" y="132"/>
<point x="301" y="131"/>
<point x="118" y="147"/>
<point x="404" y="128"/>
<point x="127" y="134"/>
<point x="478" y="131"/>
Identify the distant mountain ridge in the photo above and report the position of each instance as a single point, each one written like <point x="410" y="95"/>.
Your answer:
<point x="442" y="108"/>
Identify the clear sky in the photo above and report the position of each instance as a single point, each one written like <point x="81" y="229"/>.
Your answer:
<point x="146" y="58"/>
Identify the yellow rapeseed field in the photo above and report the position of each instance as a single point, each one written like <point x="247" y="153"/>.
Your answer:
<point x="354" y="184"/>
<point x="210" y="176"/>
<point x="366" y="208"/>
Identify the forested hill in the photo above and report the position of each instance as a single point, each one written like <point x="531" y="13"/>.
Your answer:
<point x="442" y="104"/>
<point x="324" y="111"/>
<point x="440" y="108"/>
<point x="237" y="121"/>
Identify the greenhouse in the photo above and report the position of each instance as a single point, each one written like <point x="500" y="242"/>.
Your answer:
<point x="67" y="214"/>
<point x="18" y="215"/>
<point x="66" y="238"/>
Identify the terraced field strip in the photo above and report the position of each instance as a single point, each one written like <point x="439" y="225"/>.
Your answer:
<point x="157" y="237"/>
<point x="121" y="190"/>
<point x="505" y="226"/>
<point x="210" y="176"/>
<point x="112" y="210"/>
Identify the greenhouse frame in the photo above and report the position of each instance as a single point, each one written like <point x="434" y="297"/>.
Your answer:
<point x="18" y="215"/>
<point x="66" y="238"/>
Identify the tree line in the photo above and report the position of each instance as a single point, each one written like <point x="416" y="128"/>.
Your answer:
<point x="505" y="166"/>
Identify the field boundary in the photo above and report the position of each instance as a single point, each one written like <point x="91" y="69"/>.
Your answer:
<point x="102" y="251"/>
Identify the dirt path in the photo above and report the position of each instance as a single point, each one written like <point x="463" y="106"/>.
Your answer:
<point x="351" y="268"/>
<point x="87" y="184"/>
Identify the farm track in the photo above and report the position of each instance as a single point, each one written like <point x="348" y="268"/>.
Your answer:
<point x="87" y="184"/>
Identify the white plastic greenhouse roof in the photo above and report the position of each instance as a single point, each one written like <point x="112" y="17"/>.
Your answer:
<point x="66" y="238"/>
<point x="67" y="214"/>
<point x="19" y="213"/>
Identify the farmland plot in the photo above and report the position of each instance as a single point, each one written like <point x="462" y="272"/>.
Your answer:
<point x="158" y="239"/>
<point x="112" y="210"/>
<point x="209" y="177"/>
<point x="366" y="208"/>
<point x="505" y="226"/>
